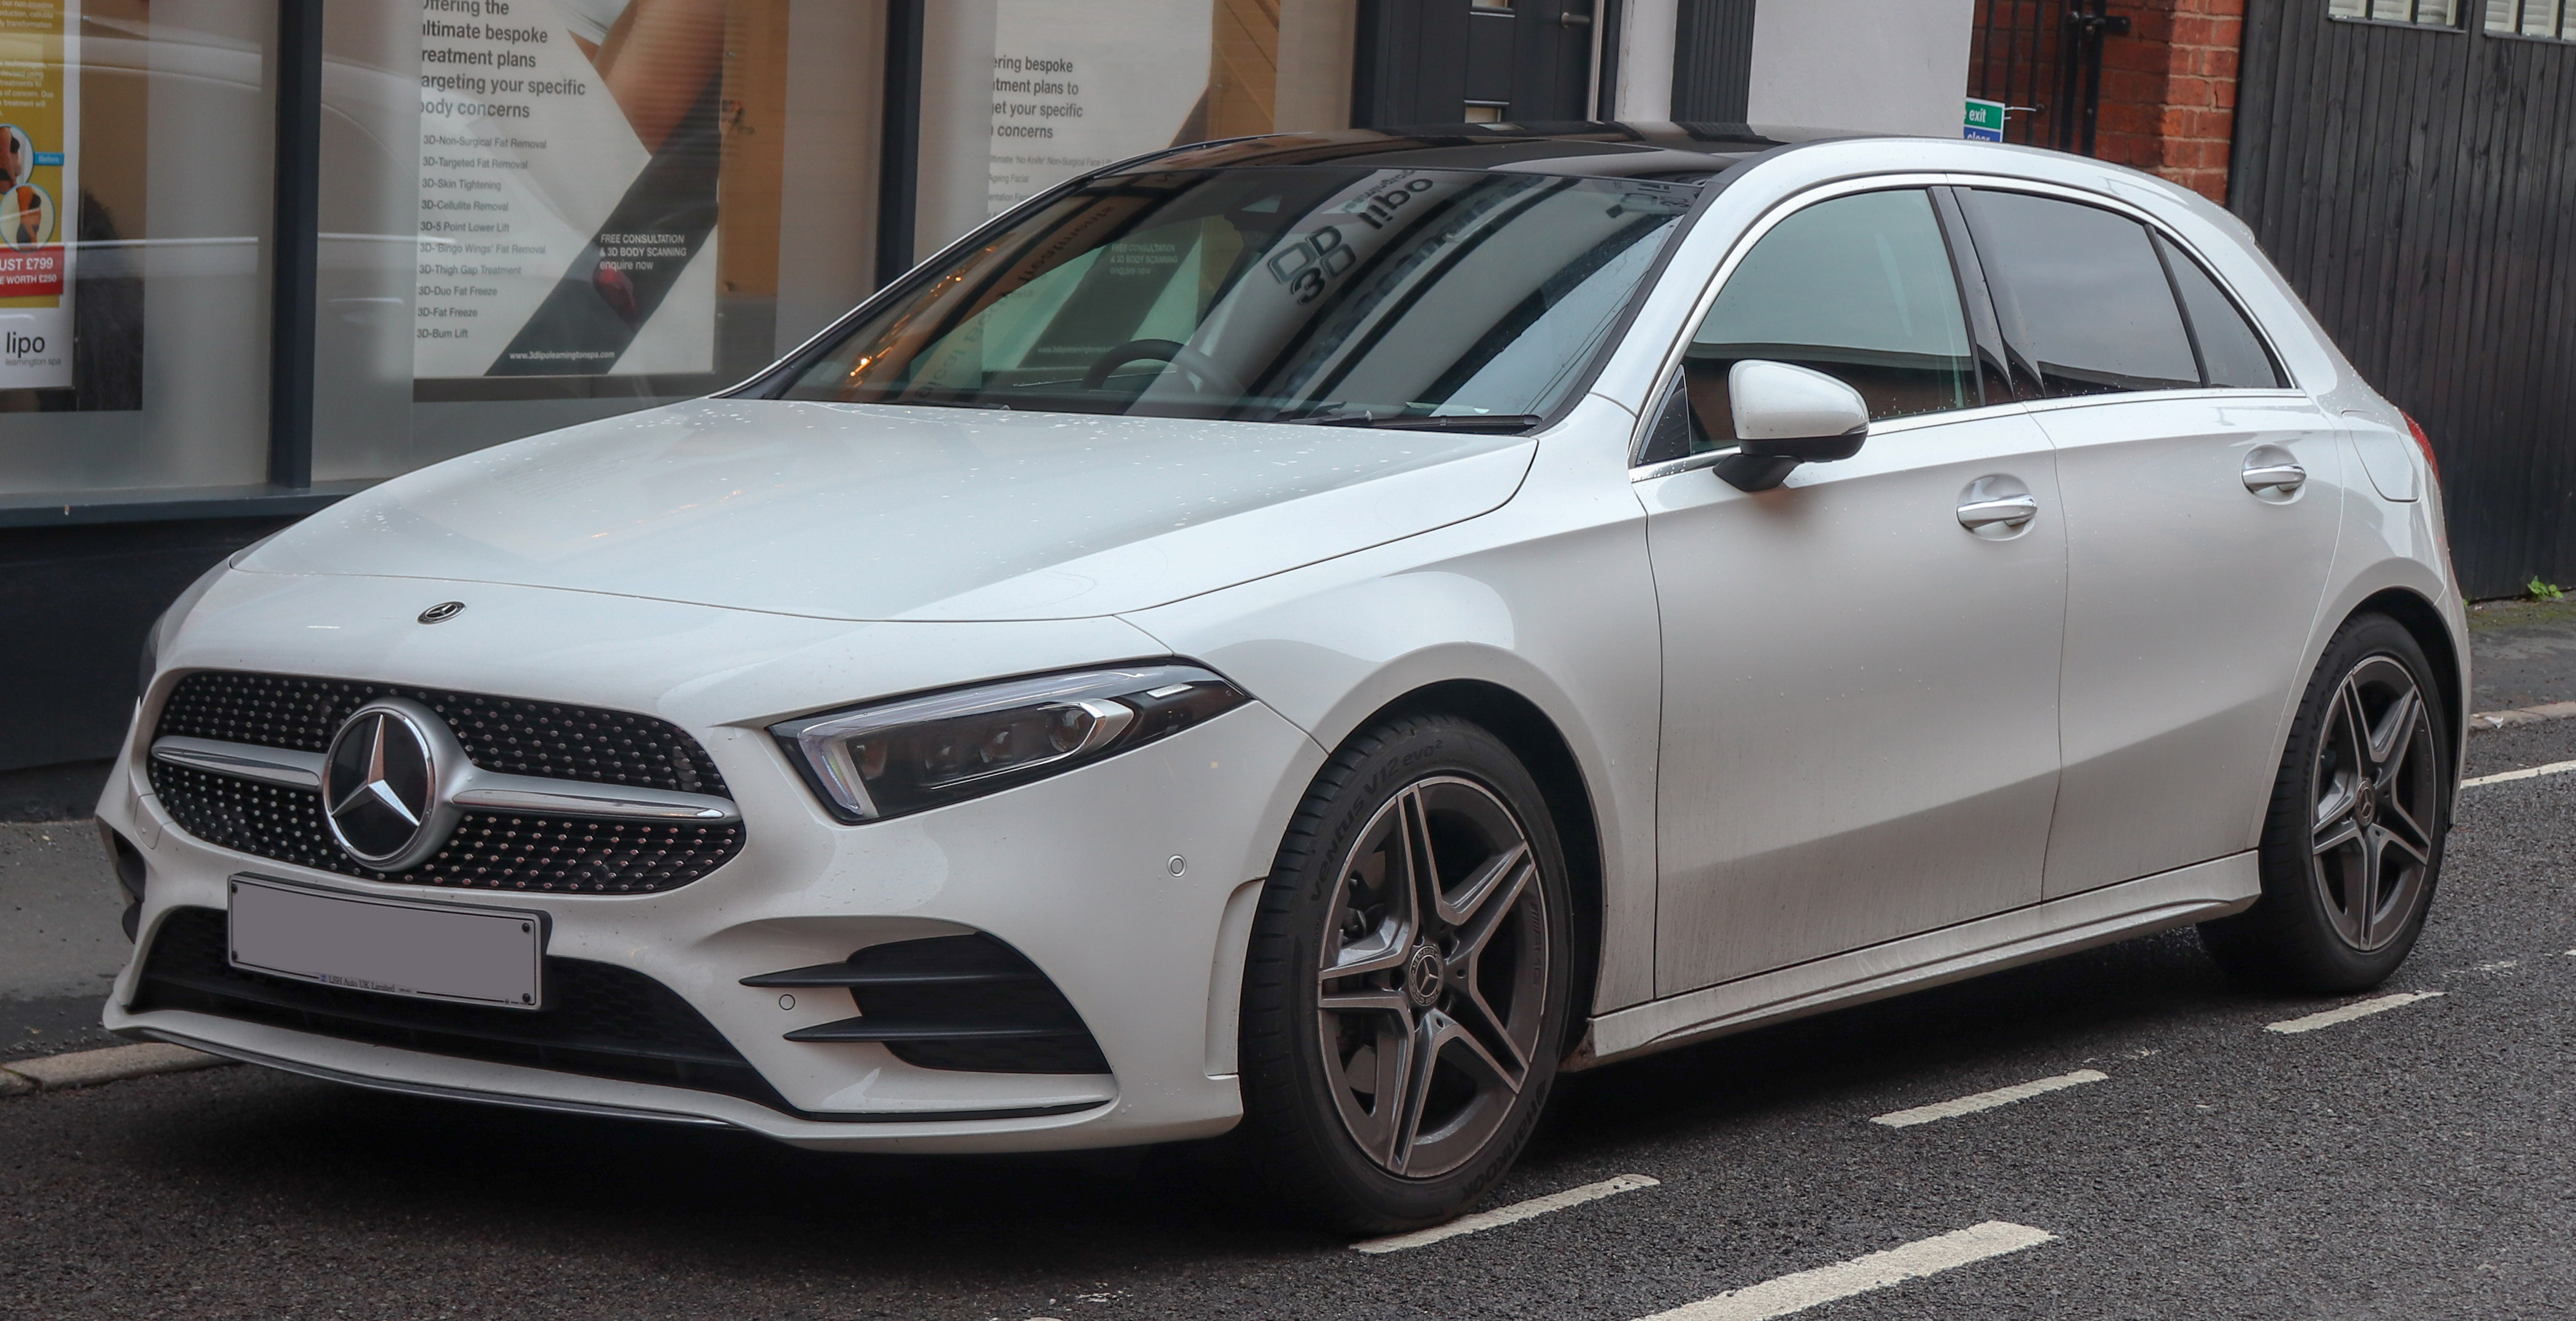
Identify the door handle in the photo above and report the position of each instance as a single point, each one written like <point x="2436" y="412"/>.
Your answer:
<point x="2009" y="510"/>
<point x="2282" y="477"/>
<point x="2273" y="473"/>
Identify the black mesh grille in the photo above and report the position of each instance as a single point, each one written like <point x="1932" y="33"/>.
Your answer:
<point x="508" y="734"/>
<point x="599" y="1019"/>
<point x="955" y="1002"/>
<point x="490" y="851"/>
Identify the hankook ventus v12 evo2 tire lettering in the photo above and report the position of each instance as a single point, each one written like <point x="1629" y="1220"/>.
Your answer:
<point x="1405" y="1001"/>
<point x="2352" y="845"/>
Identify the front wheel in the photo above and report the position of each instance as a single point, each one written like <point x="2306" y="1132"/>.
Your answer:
<point x="2352" y="845"/>
<point x="1405" y="1000"/>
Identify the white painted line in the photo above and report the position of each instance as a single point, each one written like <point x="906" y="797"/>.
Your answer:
<point x="1506" y="1215"/>
<point x="2527" y="773"/>
<point x="1878" y="1270"/>
<point x="1969" y="1105"/>
<point x="2378" y="1004"/>
<point x="87" y="1068"/>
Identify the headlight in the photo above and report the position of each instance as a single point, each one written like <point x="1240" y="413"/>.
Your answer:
<point x="922" y="752"/>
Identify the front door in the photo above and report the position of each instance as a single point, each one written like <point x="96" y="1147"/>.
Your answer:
<point x="1860" y="691"/>
<point x="1472" y="61"/>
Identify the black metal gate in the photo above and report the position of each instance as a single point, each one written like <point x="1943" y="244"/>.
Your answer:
<point x="2042" y="59"/>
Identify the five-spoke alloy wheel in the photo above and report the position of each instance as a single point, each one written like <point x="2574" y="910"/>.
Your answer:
<point x="2352" y="843"/>
<point x="2377" y="797"/>
<point x="1405" y="1002"/>
<point x="1434" y="974"/>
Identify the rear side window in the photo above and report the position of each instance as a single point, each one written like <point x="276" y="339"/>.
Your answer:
<point x="2231" y="354"/>
<point x="2081" y="295"/>
<point x="1859" y="288"/>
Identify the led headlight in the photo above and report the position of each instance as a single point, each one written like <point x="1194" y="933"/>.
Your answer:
<point x="922" y="752"/>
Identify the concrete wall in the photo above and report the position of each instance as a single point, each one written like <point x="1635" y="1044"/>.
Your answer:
<point x="1886" y="66"/>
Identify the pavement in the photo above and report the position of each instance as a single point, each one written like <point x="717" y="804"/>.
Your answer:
<point x="2415" y="1162"/>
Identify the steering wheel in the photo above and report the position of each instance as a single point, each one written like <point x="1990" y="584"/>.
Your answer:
<point x="1212" y="378"/>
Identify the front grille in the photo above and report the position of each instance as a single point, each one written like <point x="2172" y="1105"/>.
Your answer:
<point x="490" y="850"/>
<point x="599" y="1020"/>
<point x="509" y="734"/>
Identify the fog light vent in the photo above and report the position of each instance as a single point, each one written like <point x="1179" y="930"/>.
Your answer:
<point x="967" y="1003"/>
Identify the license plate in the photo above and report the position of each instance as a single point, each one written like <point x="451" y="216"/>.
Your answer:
<point x="485" y="956"/>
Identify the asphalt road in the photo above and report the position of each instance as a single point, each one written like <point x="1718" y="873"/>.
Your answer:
<point x="2416" y="1163"/>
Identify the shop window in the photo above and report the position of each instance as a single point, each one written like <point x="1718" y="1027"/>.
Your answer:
<point x="1021" y="95"/>
<point x="134" y="216"/>
<point x="540" y="212"/>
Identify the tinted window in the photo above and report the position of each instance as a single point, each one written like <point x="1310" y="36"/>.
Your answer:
<point x="2231" y="353"/>
<point x="1318" y="294"/>
<point x="2081" y="294"/>
<point x="1859" y="288"/>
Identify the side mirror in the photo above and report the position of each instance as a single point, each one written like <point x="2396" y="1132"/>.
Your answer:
<point x="1785" y="416"/>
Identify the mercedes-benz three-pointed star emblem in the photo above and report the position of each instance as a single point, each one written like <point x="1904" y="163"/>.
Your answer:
<point x="380" y="786"/>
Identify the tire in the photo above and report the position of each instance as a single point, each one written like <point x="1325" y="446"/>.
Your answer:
<point x="2352" y="842"/>
<point x="1338" y="1121"/>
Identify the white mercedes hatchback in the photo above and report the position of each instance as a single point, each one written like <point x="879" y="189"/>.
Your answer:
<point x="1305" y="639"/>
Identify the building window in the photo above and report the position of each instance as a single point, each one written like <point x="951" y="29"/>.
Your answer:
<point x="134" y="143"/>
<point x="2554" y="20"/>
<point x="2417" y="13"/>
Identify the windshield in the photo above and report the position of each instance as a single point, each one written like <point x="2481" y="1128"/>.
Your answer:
<point x="1386" y="297"/>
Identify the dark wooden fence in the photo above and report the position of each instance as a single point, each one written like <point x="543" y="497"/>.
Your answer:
<point x="2418" y="186"/>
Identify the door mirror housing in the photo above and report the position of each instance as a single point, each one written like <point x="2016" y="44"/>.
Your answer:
<point x="1785" y="416"/>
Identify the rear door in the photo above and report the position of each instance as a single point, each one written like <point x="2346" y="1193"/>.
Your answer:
<point x="2193" y="576"/>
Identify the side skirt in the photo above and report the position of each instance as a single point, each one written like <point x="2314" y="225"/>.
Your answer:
<point x="2181" y="897"/>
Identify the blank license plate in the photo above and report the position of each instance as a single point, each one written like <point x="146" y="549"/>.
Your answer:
<point x="434" y="951"/>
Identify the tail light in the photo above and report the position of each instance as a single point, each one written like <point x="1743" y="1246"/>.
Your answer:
<point x="2424" y="443"/>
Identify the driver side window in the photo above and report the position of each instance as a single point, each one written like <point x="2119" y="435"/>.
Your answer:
<point x="1859" y="288"/>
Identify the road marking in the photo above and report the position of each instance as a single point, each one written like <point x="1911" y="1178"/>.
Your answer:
<point x="2378" y="1004"/>
<point x="1969" y="1105"/>
<point x="1506" y="1215"/>
<point x="2531" y="772"/>
<point x="1878" y="1270"/>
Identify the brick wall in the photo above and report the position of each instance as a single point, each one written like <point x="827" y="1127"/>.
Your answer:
<point x="2169" y="90"/>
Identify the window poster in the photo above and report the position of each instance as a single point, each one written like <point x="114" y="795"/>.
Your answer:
<point x="1072" y="92"/>
<point x="569" y="160"/>
<point x="39" y="189"/>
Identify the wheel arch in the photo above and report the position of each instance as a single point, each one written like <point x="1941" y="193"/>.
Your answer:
<point x="1534" y="738"/>
<point x="2423" y="619"/>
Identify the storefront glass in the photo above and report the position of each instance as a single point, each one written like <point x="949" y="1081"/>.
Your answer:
<point x="544" y="211"/>
<point x="533" y="212"/>
<point x="1021" y="95"/>
<point x="134" y="223"/>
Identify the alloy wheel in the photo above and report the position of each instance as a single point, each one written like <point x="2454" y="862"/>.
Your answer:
<point x="1432" y="983"/>
<point x="2376" y="797"/>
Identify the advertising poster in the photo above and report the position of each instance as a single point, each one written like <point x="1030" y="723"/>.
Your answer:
<point x="39" y="189"/>
<point x="569" y="153"/>
<point x="1072" y="92"/>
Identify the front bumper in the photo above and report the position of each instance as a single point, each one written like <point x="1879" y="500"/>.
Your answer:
<point x="1129" y="883"/>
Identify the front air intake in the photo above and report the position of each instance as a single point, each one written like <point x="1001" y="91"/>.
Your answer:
<point x="967" y="1003"/>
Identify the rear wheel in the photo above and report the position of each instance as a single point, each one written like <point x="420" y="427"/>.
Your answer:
<point x="1404" y="1005"/>
<point x="2352" y="846"/>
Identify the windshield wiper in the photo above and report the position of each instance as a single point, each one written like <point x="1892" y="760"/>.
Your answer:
<point x="1442" y="422"/>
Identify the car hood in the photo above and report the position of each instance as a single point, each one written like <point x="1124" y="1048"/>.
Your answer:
<point x="851" y="511"/>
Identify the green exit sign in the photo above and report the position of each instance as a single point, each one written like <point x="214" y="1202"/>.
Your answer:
<point x="1985" y="121"/>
